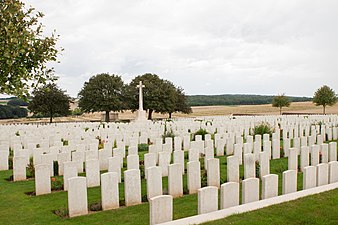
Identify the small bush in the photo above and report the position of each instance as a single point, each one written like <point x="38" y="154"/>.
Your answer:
<point x="204" y="179"/>
<point x="30" y="170"/>
<point x="57" y="183"/>
<point x="202" y="132"/>
<point x="144" y="198"/>
<point x="97" y="206"/>
<point x="56" y="168"/>
<point x="77" y="112"/>
<point x="168" y="134"/>
<point x="63" y="213"/>
<point x="257" y="168"/>
<point x="122" y="202"/>
<point x="263" y="128"/>
<point x="143" y="147"/>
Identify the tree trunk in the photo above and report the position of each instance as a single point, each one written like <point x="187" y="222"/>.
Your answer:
<point x="150" y="114"/>
<point x="51" y="116"/>
<point x="170" y="115"/>
<point x="324" y="109"/>
<point x="107" y="116"/>
<point x="280" y="110"/>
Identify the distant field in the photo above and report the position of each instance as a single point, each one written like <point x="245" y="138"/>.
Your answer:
<point x="296" y="107"/>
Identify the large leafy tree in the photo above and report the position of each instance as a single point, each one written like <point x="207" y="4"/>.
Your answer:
<point x="181" y="103"/>
<point x="280" y="101"/>
<point x="103" y="92"/>
<point x="50" y="100"/>
<point x="159" y="95"/>
<point x="324" y="96"/>
<point x="24" y="50"/>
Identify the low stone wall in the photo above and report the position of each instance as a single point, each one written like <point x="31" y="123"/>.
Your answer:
<point x="220" y="214"/>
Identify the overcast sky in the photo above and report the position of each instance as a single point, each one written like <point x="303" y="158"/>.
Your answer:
<point x="206" y="47"/>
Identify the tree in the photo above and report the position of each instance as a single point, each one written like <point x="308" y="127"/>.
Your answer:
<point x="280" y="101"/>
<point x="50" y="100"/>
<point x="158" y="95"/>
<point x="181" y="103"/>
<point x="103" y="92"/>
<point x="24" y="51"/>
<point x="325" y="96"/>
<point x="17" y="102"/>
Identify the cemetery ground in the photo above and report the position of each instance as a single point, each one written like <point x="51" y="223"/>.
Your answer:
<point x="19" y="206"/>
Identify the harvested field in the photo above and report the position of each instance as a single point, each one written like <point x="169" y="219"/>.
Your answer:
<point x="297" y="107"/>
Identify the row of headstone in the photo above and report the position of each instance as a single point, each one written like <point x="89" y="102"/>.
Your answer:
<point x="161" y="207"/>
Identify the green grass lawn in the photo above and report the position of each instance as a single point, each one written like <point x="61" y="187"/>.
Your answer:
<point x="16" y="207"/>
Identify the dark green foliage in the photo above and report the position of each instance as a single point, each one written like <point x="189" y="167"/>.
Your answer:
<point x="168" y="134"/>
<point x="159" y="95"/>
<point x="263" y="128"/>
<point x="50" y="100"/>
<point x="56" y="167"/>
<point x="144" y="198"/>
<point x="30" y="170"/>
<point x="24" y="50"/>
<point x="103" y="92"/>
<point x="257" y="166"/>
<point x="63" y="213"/>
<point x="77" y="112"/>
<point x="205" y="100"/>
<point x="202" y="132"/>
<point x="325" y="96"/>
<point x="12" y="112"/>
<point x="97" y="206"/>
<point x="280" y="101"/>
<point x="143" y="147"/>
<point x="57" y="183"/>
<point x="17" y="102"/>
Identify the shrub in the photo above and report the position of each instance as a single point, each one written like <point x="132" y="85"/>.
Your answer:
<point x="168" y="134"/>
<point x="263" y="128"/>
<point x="30" y="172"/>
<point x="97" y="206"/>
<point x="56" y="167"/>
<point x="10" y="112"/>
<point x="143" y="147"/>
<point x="63" y="213"/>
<point x="17" y="102"/>
<point x="57" y="183"/>
<point x="77" y="112"/>
<point x="202" y="132"/>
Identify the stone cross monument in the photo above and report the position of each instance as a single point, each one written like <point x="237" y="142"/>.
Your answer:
<point x="141" y="114"/>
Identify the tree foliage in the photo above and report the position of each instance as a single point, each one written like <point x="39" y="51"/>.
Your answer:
<point x="24" y="51"/>
<point x="17" y="102"/>
<point x="12" y="112"/>
<point x="325" y="96"/>
<point x="227" y="99"/>
<point x="159" y="95"/>
<point x="50" y="100"/>
<point x="280" y="101"/>
<point x="103" y="92"/>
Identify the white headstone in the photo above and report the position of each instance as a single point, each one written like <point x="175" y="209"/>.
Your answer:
<point x="175" y="181"/>
<point x="193" y="176"/>
<point x="77" y="196"/>
<point x="269" y="186"/>
<point x="250" y="190"/>
<point x="132" y="187"/>
<point x="289" y="181"/>
<point x="161" y="209"/>
<point x="207" y="199"/>
<point x="229" y="194"/>
<point x="309" y="177"/>
<point x="42" y="179"/>
<point x="110" y="191"/>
